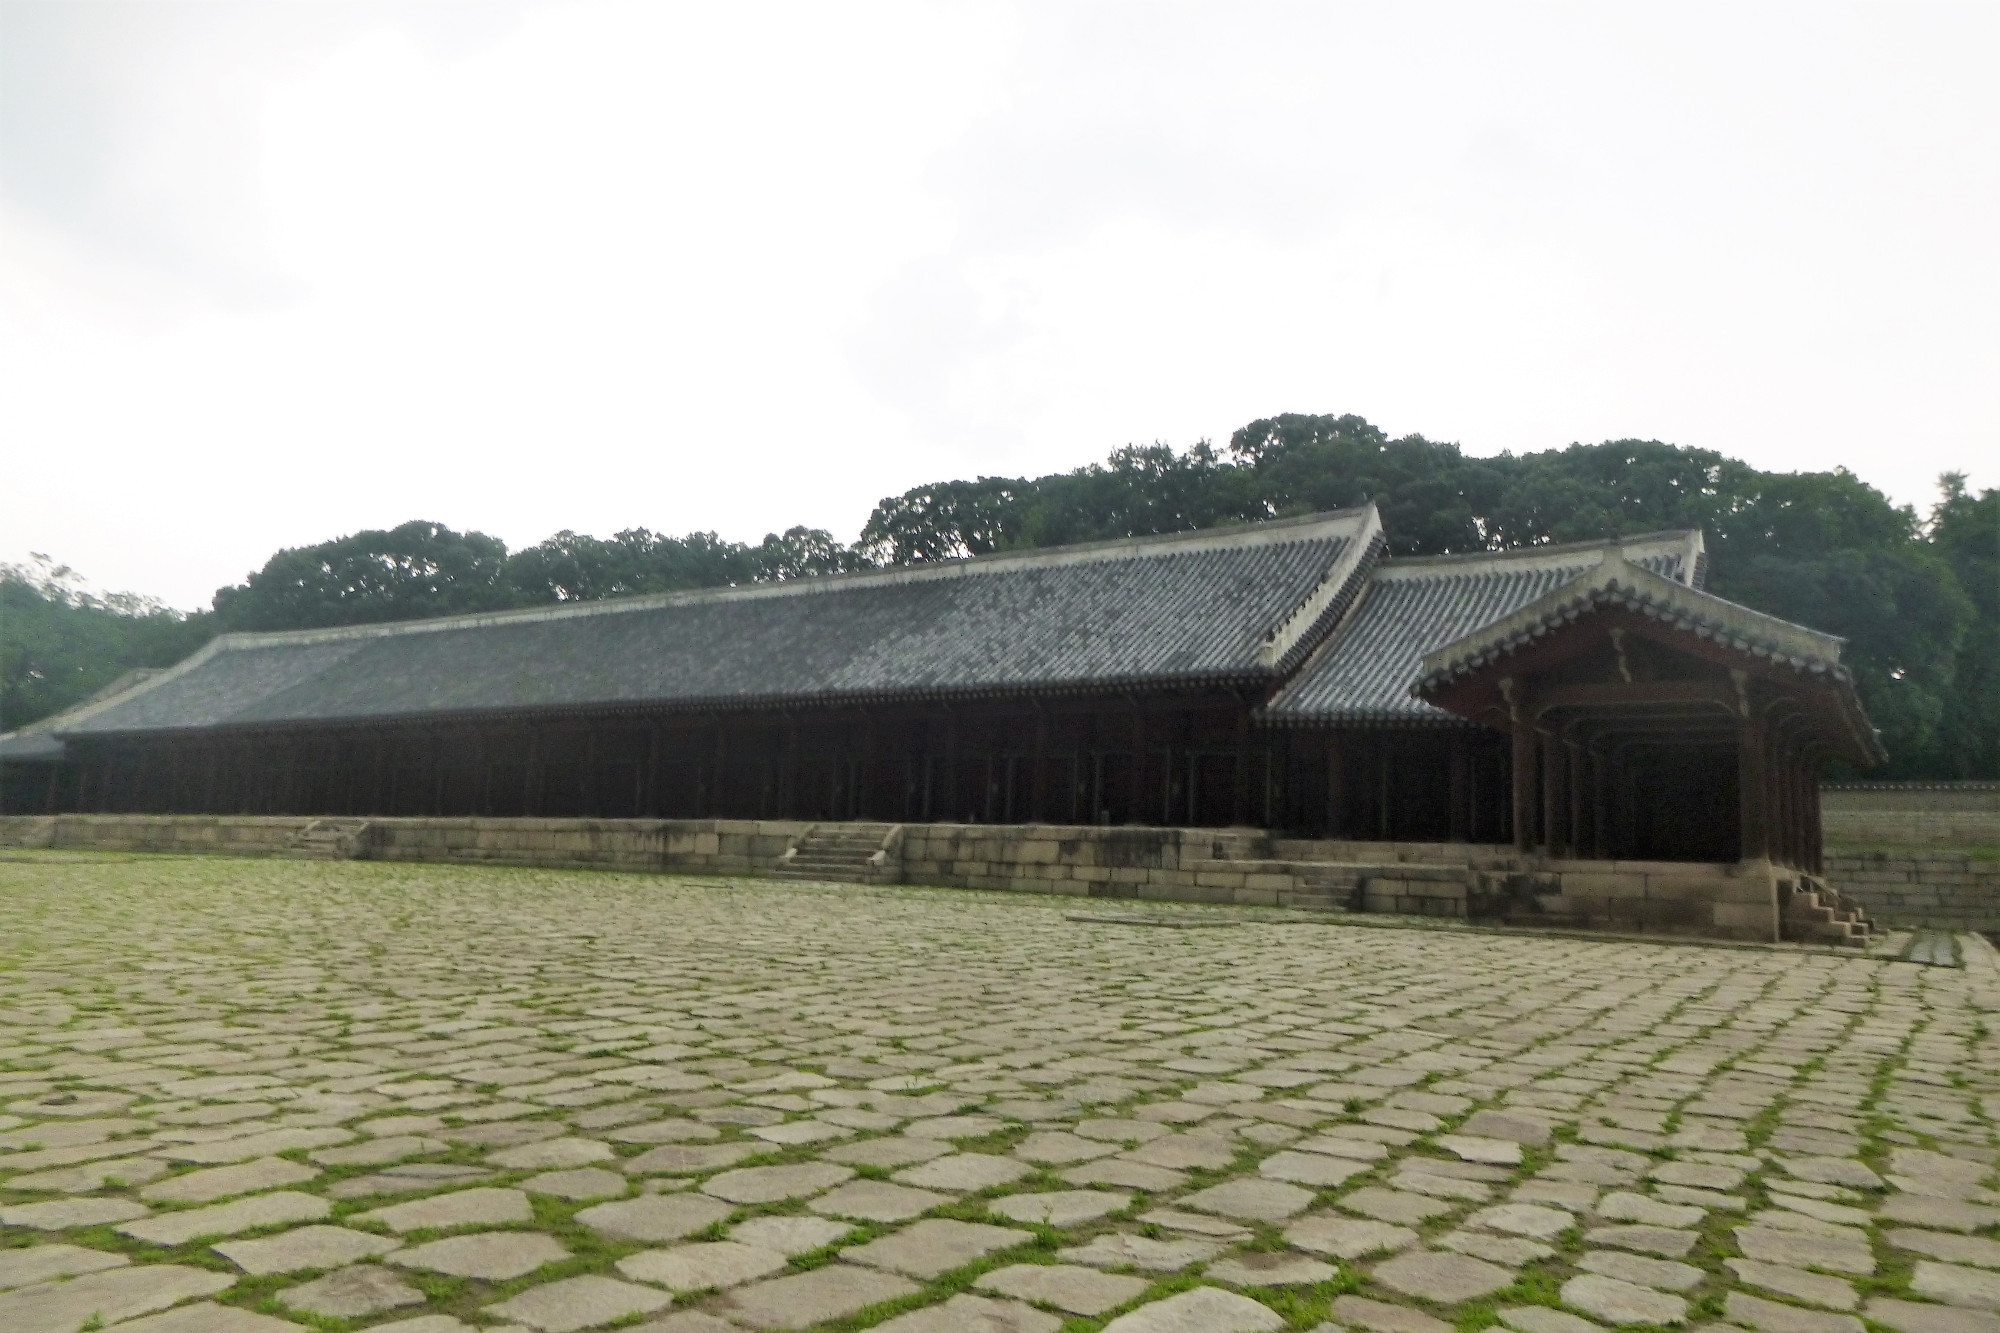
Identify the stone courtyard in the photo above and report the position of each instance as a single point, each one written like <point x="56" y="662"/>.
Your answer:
<point x="242" y="1095"/>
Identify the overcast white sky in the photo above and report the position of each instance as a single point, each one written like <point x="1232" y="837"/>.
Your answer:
<point x="271" y="272"/>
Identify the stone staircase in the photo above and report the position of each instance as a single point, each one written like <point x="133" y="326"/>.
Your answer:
<point x="329" y="840"/>
<point x="845" y="854"/>
<point x="1817" y="913"/>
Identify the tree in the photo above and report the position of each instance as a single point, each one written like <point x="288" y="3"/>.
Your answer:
<point x="404" y="573"/>
<point x="1965" y="532"/>
<point x="572" y="568"/>
<point x="946" y="521"/>
<point x="60" y="643"/>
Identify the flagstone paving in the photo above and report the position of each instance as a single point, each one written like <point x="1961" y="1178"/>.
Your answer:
<point x="262" y="1095"/>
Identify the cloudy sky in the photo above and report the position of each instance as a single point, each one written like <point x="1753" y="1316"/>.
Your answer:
<point x="274" y="272"/>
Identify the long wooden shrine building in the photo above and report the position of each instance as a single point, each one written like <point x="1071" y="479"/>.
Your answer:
<point x="1586" y="700"/>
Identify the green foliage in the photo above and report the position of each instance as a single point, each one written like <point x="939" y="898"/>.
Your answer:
<point x="405" y="573"/>
<point x="60" y="644"/>
<point x="1918" y="600"/>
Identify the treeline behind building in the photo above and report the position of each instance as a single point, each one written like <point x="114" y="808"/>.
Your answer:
<point x="1917" y="596"/>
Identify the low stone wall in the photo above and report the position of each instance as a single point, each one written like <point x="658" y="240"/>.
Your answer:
<point x="687" y="846"/>
<point x="1917" y="814"/>
<point x="1916" y="853"/>
<point x="1920" y="886"/>
<point x="213" y="835"/>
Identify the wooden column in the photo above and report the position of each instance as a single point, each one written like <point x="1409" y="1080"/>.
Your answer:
<point x="1553" y="804"/>
<point x="1523" y="770"/>
<point x="1137" y="814"/>
<point x="1752" y="790"/>
<point x="1239" y="796"/>
<point x="647" y="800"/>
<point x="1036" y="781"/>
<point x="1573" y="788"/>
<point x="1336" y="787"/>
<point x="1460" y="817"/>
<point x="1600" y="807"/>
<point x="1815" y="835"/>
<point x="952" y="812"/>
<point x="531" y="787"/>
<point x="1381" y="787"/>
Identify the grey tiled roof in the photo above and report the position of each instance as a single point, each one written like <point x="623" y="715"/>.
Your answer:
<point x="1188" y="609"/>
<point x="1410" y="608"/>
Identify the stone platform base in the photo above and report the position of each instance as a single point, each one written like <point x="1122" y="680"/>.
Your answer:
<point x="1745" y="901"/>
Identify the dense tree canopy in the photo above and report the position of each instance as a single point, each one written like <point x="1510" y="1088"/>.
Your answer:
<point x="1918" y="598"/>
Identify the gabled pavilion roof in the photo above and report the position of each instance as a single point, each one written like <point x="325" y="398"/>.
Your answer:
<point x="1364" y="672"/>
<point x="1237" y="606"/>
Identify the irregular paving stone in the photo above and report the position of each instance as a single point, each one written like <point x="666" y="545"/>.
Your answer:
<point x="1904" y="1317"/>
<point x="1063" y="1208"/>
<point x="809" y="1298"/>
<point x="226" y="1219"/>
<point x="1541" y="1319"/>
<point x="1392" y="1206"/>
<point x="462" y="1208"/>
<point x="1804" y="1250"/>
<point x="687" y="1159"/>
<point x="579" y="1302"/>
<point x="40" y="1263"/>
<point x="1622" y="1206"/>
<point x="1697" y="1174"/>
<point x="1955" y="1284"/>
<point x="1121" y="1174"/>
<point x="208" y="1317"/>
<point x="1195" y="1224"/>
<point x="1648" y="1240"/>
<point x="672" y="1130"/>
<point x="794" y="1132"/>
<point x="787" y="1235"/>
<point x="1920" y="1210"/>
<point x="1381" y="1317"/>
<point x="770" y="1184"/>
<point x="552" y="1153"/>
<point x="876" y="1201"/>
<point x="1058" y="1147"/>
<point x="1815" y="1287"/>
<point x="1359" y="1150"/>
<point x="1117" y="1250"/>
<point x="1257" y="1200"/>
<point x="1523" y="1219"/>
<point x="1512" y="1126"/>
<point x="1444" y="1277"/>
<point x="494" y="1256"/>
<point x="409" y="1178"/>
<point x="654" y="1217"/>
<point x="889" y="1152"/>
<point x="220" y="1182"/>
<point x="111" y="1296"/>
<point x="1314" y="1169"/>
<point x="1202" y="1310"/>
<point x="1660" y="1274"/>
<point x="1499" y="1152"/>
<point x="1185" y="1152"/>
<point x="1950" y="1248"/>
<point x="1617" y="1302"/>
<point x="1771" y="1317"/>
<point x="1346" y="1237"/>
<point x="718" y="1264"/>
<point x="378" y="1152"/>
<point x="964" y="1171"/>
<point x="1832" y="1171"/>
<point x="587" y="1182"/>
<point x="1279" y="1269"/>
<point x="1079" y="1290"/>
<point x="935" y="1245"/>
<point x="1512" y="1251"/>
<point x="268" y="1144"/>
<point x="305" y="1247"/>
<point x="350" y="1293"/>
<point x="62" y="1214"/>
<point x="966" y="1313"/>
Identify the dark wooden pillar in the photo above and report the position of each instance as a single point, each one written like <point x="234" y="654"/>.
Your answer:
<point x="1553" y="803"/>
<point x="1137" y="814"/>
<point x="950" y="780"/>
<point x="1523" y="767"/>
<point x="1460" y="816"/>
<point x="1600" y="806"/>
<point x="712" y="799"/>
<point x="1037" y="811"/>
<point x="1752" y="789"/>
<point x="531" y="775"/>
<point x="647" y="799"/>
<point x="1573" y="832"/>
<point x="1815" y="835"/>
<point x="1239" y="796"/>
<point x="1382" y="760"/>
<point x="1336" y="787"/>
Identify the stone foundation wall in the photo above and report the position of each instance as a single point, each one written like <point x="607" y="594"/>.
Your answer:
<point x="1920" y="886"/>
<point x="1169" y="865"/>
